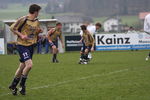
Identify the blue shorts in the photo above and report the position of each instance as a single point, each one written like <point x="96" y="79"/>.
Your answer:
<point x="54" y="43"/>
<point x="25" y="52"/>
<point x="86" y="47"/>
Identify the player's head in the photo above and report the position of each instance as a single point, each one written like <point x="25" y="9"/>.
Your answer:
<point x="98" y="26"/>
<point x="34" y="9"/>
<point x="83" y="27"/>
<point x="131" y="28"/>
<point x="59" y="25"/>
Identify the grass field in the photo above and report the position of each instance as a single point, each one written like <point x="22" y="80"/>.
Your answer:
<point x="121" y="75"/>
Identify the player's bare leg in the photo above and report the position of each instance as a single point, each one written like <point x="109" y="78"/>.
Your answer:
<point x="86" y="56"/>
<point x="26" y="70"/>
<point x="55" y="51"/>
<point x="20" y="70"/>
<point x="81" y="57"/>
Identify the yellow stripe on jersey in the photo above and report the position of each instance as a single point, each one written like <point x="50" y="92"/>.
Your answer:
<point x="88" y="39"/>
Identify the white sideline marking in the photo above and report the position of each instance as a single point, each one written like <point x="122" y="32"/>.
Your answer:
<point x="2" y="87"/>
<point x="82" y="78"/>
<point x="5" y="94"/>
<point x="68" y="81"/>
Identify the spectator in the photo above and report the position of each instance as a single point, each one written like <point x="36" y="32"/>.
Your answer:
<point x="39" y="44"/>
<point x="131" y="30"/>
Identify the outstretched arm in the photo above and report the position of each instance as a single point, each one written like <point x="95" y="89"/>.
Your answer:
<point x="61" y="40"/>
<point x="93" y="44"/>
<point x="14" y="28"/>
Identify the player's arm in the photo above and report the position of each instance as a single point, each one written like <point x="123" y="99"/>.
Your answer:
<point x="81" y="39"/>
<point x="93" y="44"/>
<point x="39" y="29"/>
<point x="50" y="32"/>
<point x="61" y="40"/>
<point x="93" y="41"/>
<point x="81" y="33"/>
<point x="14" y="28"/>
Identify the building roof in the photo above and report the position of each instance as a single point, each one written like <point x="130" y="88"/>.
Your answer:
<point x="41" y="20"/>
<point x="114" y="18"/>
<point x="143" y="14"/>
<point x="73" y="19"/>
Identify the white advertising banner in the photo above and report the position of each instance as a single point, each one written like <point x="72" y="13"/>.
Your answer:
<point x="2" y="47"/>
<point x="122" y="41"/>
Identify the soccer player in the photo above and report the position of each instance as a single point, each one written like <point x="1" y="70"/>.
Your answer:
<point x="27" y="29"/>
<point x="88" y="46"/>
<point x="93" y="29"/>
<point x="147" y="30"/>
<point x="53" y="35"/>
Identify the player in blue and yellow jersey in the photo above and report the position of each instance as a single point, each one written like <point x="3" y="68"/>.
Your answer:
<point x="27" y="29"/>
<point x="53" y="35"/>
<point x="88" y="46"/>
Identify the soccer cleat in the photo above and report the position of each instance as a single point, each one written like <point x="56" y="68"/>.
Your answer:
<point x="13" y="90"/>
<point x="85" y="61"/>
<point x="147" y="58"/>
<point x="56" y="61"/>
<point x="22" y="90"/>
<point x="81" y="61"/>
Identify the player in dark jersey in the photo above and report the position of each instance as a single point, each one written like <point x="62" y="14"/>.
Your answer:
<point x="27" y="29"/>
<point x="53" y="35"/>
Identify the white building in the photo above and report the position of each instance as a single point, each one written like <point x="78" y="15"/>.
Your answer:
<point x="112" y="25"/>
<point x="72" y="23"/>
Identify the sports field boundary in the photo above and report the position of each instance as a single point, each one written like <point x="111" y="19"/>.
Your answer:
<point x="69" y="81"/>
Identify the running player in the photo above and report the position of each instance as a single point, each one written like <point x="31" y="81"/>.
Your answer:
<point x="88" y="46"/>
<point x="27" y="29"/>
<point x="53" y="35"/>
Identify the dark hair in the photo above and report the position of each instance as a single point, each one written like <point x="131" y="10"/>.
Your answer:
<point x="58" y="23"/>
<point x="98" y="24"/>
<point x="131" y="27"/>
<point x="83" y="27"/>
<point x="34" y="8"/>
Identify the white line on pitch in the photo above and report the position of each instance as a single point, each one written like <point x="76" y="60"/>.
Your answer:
<point x="82" y="78"/>
<point x="69" y="81"/>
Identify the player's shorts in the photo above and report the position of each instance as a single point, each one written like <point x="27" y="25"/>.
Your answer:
<point x="54" y="43"/>
<point x="86" y="47"/>
<point x="25" y="52"/>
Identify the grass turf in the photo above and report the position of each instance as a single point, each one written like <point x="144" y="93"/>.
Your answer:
<point x="109" y="76"/>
